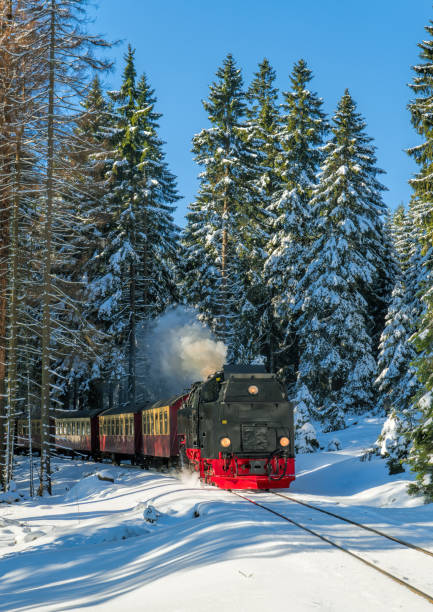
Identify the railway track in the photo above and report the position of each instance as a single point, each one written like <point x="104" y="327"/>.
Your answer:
<point x="425" y="551"/>
<point x="404" y="583"/>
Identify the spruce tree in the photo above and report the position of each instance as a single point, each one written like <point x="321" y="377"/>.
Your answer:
<point x="222" y="224"/>
<point x="421" y="456"/>
<point x="87" y="157"/>
<point x="263" y="129"/>
<point x="397" y="382"/>
<point x="400" y="230"/>
<point x="303" y="127"/>
<point x="421" y="453"/>
<point x="132" y="271"/>
<point x="305" y="434"/>
<point x="336" y="361"/>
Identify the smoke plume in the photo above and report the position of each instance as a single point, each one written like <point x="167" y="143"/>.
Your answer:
<point x="176" y="352"/>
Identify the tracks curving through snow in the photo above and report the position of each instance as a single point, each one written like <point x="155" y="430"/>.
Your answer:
<point x="334" y="544"/>
<point x="352" y="522"/>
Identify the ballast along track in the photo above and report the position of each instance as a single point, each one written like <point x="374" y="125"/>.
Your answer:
<point x="396" y="579"/>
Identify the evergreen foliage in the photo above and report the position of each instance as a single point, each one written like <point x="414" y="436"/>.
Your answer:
<point x="131" y="272"/>
<point x="336" y="361"/>
<point x="262" y="128"/>
<point x="221" y="235"/>
<point x="421" y="455"/>
<point x="393" y="442"/>
<point x="303" y="127"/>
<point x="305" y="434"/>
<point x="80" y="371"/>
<point x="397" y="381"/>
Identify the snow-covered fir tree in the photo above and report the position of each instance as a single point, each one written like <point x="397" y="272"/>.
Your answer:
<point x="400" y="230"/>
<point x="378" y="294"/>
<point x="397" y="382"/>
<point x="336" y="360"/>
<point x="421" y="456"/>
<point x="398" y="379"/>
<point x="301" y="133"/>
<point x="90" y="142"/>
<point x="131" y="273"/>
<point x="221" y="235"/>
<point x="262" y="129"/>
<point x="305" y="433"/>
<point x="421" y="452"/>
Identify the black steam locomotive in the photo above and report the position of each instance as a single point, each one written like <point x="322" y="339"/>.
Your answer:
<point x="237" y="430"/>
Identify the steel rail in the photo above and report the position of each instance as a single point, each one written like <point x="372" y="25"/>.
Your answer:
<point x="342" y="518"/>
<point x="399" y="581"/>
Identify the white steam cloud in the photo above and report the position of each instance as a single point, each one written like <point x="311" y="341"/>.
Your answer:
<point x="178" y="351"/>
<point x="194" y="354"/>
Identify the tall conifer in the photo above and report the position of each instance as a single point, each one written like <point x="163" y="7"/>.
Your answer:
<point x="132" y="270"/>
<point x="336" y="360"/>
<point x="303" y="127"/>
<point x="220" y="236"/>
<point x="263" y="128"/>
<point x="421" y="457"/>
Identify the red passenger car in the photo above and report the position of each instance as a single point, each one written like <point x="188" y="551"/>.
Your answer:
<point x="77" y="432"/>
<point x="159" y="430"/>
<point x="120" y="434"/>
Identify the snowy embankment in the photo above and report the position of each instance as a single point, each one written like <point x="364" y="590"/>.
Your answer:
<point x="164" y="543"/>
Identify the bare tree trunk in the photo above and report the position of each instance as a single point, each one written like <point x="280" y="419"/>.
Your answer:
<point x="45" y="471"/>
<point x="5" y="173"/>
<point x="12" y="377"/>
<point x="4" y="256"/>
<point x="132" y="378"/>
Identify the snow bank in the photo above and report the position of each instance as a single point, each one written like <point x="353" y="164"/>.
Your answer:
<point x="92" y="487"/>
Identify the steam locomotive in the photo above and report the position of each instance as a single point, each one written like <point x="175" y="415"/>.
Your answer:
<point x="235" y="429"/>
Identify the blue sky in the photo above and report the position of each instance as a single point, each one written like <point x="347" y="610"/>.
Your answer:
<point x="368" y="47"/>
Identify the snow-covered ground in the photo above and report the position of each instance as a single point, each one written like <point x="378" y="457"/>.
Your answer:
<point x="163" y="543"/>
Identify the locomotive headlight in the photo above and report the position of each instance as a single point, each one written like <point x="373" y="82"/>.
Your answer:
<point x="253" y="390"/>
<point x="284" y="441"/>
<point x="225" y="442"/>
